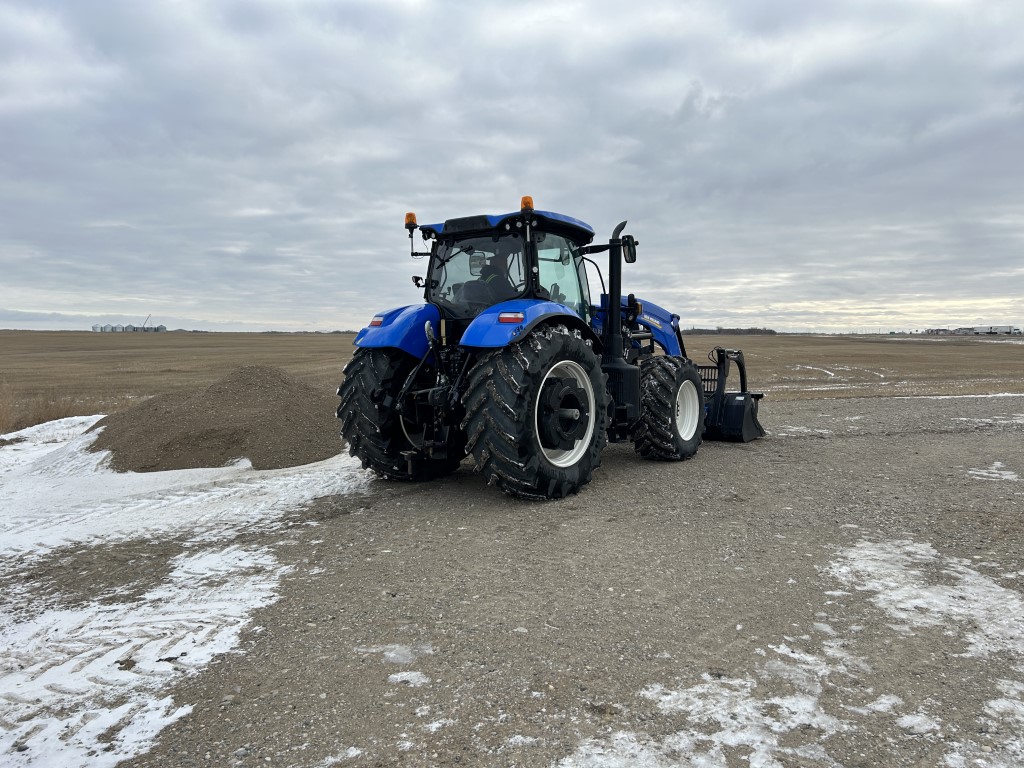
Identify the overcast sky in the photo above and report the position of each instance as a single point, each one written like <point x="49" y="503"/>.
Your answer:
<point x="796" y="164"/>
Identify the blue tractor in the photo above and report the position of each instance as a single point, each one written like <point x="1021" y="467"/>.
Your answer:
<point x="509" y="360"/>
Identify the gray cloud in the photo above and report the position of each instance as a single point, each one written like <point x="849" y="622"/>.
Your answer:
<point x="798" y="165"/>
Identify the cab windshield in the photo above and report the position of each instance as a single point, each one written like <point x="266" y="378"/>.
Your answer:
<point x="473" y="273"/>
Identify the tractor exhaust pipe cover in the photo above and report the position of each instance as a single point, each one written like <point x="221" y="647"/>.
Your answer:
<point x="623" y="378"/>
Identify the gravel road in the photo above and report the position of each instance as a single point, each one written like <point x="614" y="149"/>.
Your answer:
<point x="846" y="592"/>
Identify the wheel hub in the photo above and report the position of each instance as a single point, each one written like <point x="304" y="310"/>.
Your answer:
<point x="562" y="413"/>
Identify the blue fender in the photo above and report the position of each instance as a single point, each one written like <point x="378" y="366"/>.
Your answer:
<point x="401" y="328"/>
<point x="488" y="332"/>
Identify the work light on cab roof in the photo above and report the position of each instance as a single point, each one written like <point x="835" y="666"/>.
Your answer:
<point x="509" y="359"/>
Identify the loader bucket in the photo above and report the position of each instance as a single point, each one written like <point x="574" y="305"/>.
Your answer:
<point x="737" y="420"/>
<point x="729" y="415"/>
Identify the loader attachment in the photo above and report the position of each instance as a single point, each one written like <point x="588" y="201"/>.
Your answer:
<point x="729" y="416"/>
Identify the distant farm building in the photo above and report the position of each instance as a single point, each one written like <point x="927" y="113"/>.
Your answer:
<point x="108" y="328"/>
<point x="977" y="330"/>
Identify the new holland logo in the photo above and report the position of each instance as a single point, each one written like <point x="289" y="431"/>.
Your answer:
<point x="651" y="321"/>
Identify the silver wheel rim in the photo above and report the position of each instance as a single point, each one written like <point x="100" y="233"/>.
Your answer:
<point x="567" y="369"/>
<point x="687" y="410"/>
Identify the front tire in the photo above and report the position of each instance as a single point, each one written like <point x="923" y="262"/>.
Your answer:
<point x="671" y="421"/>
<point x="375" y="430"/>
<point x="537" y="414"/>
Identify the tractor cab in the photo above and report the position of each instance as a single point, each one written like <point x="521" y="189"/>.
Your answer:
<point x="479" y="261"/>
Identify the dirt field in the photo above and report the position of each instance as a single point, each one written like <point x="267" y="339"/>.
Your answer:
<point x="85" y="373"/>
<point x="848" y="591"/>
<point x="52" y="374"/>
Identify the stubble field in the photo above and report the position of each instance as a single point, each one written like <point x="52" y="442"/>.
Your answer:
<point x="846" y="592"/>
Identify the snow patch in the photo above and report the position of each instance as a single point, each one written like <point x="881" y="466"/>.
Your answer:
<point x="788" y="430"/>
<point x="349" y="754"/>
<point x="917" y="723"/>
<point x="1017" y="418"/>
<point x="730" y="713"/>
<point x="994" y="472"/>
<point x="992" y="615"/>
<point x="82" y="686"/>
<point x="62" y="494"/>
<point x="988" y="617"/>
<point x="776" y="717"/>
<point x="412" y="679"/>
<point x="827" y="372"/>
<point x="518" y="740"/>
<point x="395" y="653"/>
<point x="71" y="676"/>
<point x="957" y="397"/>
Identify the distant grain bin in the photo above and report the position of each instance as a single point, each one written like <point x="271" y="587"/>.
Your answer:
<point x="108" y="328"/>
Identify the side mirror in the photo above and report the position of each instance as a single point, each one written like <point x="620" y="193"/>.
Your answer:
<point x="629" y="248"/>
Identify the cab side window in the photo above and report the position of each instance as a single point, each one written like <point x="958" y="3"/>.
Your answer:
<point x="559" y="266"/>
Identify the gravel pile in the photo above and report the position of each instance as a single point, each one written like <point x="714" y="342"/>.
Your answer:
<point x="258" y="412"/>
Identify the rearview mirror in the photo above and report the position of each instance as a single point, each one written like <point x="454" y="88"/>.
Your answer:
<point x="629" y="248"/>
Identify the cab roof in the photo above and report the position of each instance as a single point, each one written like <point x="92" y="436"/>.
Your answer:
<point x="575" y="229"/>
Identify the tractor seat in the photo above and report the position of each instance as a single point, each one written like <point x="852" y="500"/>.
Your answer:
<point x="476" y="292"/>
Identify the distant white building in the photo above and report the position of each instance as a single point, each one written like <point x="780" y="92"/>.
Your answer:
<point x="108" y="328"/>
<point x="995" y="330"/>
<point x="988" y="330"/>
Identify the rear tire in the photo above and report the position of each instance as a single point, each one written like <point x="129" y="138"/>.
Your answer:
<point x="537" y="414"/>
<point x="375" y="431"/>
<point x="671" y="421"/>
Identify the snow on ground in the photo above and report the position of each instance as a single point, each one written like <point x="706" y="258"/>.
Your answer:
<point x="790" y="430"/>
<point x="956" y="397"/>
<point x="777" y="715"/>
<point x="85" y="686"/>
<point x="919" y="588"/>
<point x="1017" y="418"/>
<point x="726" y="714"/>
<point x="827" y="372"/>
<point x="997" y="471"/>
<point x="54" y="493"/>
